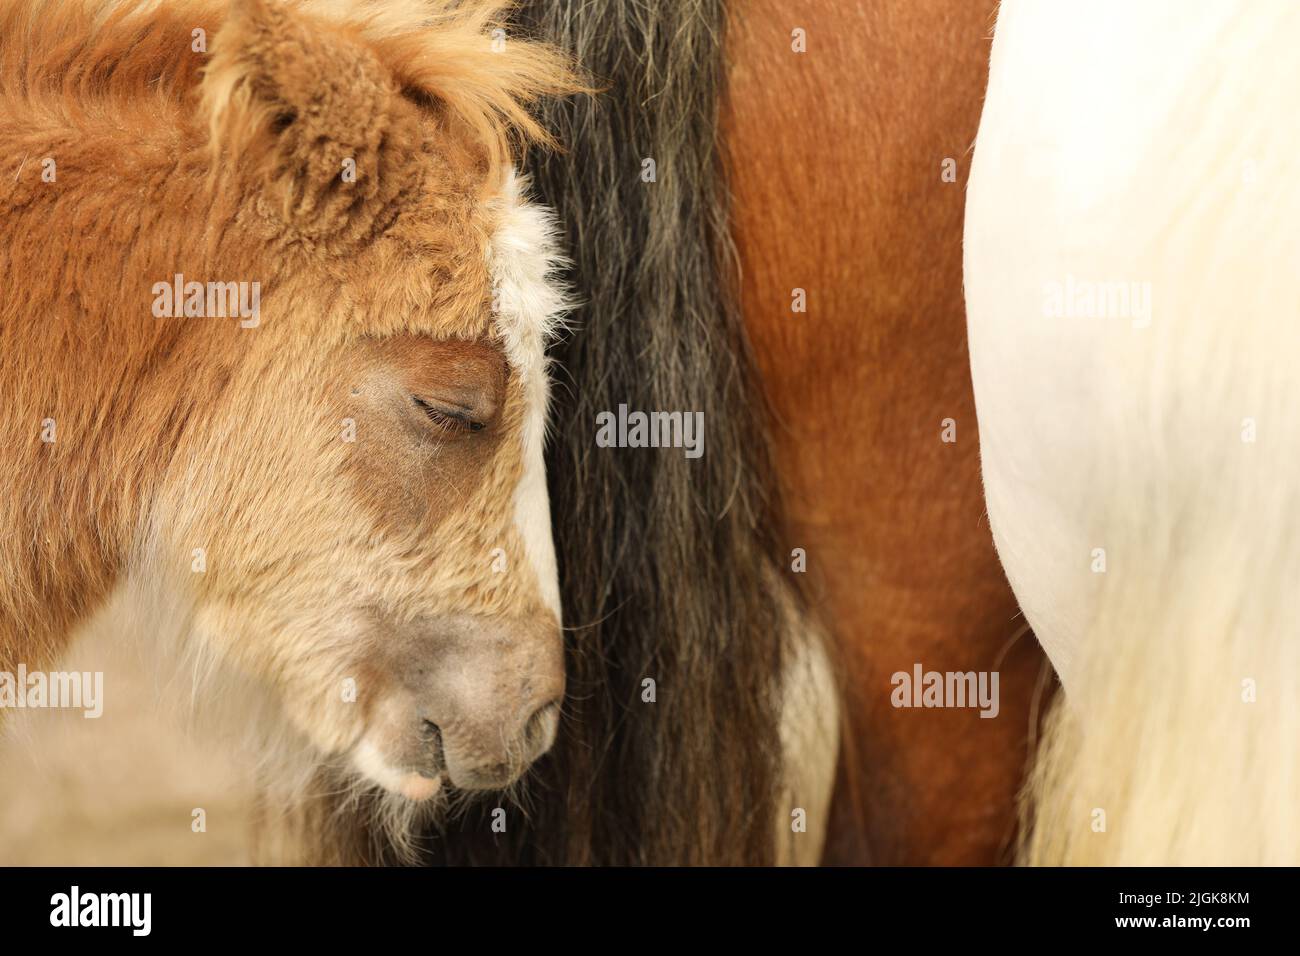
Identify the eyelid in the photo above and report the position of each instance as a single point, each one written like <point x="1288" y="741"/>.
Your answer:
<point x="449" y="415"/>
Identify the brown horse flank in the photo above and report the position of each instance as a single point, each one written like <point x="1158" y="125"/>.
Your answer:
<point x="285" y="398"/>
<point x="890" y="514"/>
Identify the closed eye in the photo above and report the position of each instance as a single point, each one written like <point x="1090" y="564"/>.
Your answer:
<point x="453" y="418"/>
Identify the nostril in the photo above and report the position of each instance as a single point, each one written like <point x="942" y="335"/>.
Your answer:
<point x="433" y="734"/>
<point x="540" y="731"/>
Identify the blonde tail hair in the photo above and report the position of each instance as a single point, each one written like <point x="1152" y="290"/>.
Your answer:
<point x="1180" y="744"/>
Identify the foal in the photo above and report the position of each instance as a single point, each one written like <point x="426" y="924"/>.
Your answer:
<point x="334" y="494"/>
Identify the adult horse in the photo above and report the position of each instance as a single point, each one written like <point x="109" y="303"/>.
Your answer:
<point x="285" y="395"/>
<point x="1130" y="250"/>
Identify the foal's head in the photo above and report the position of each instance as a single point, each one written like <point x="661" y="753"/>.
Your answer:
<point x="330" y="301"/>
<point x="372" y="492"/>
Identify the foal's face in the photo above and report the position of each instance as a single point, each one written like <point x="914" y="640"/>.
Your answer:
<point x="376" y="529"/>
<point x="352" y="505"/>
<point x="465" y="668"/>
<point x="368" y="488"/>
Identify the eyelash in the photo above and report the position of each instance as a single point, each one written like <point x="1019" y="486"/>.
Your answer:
<point x="448" y="420"/>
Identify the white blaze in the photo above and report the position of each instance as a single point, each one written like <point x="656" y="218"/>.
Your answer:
<point x="524" y="256"/>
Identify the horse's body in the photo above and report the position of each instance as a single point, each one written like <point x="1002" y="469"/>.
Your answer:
<point x="836" y="159"/>
<point x="1130" y="248"/>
